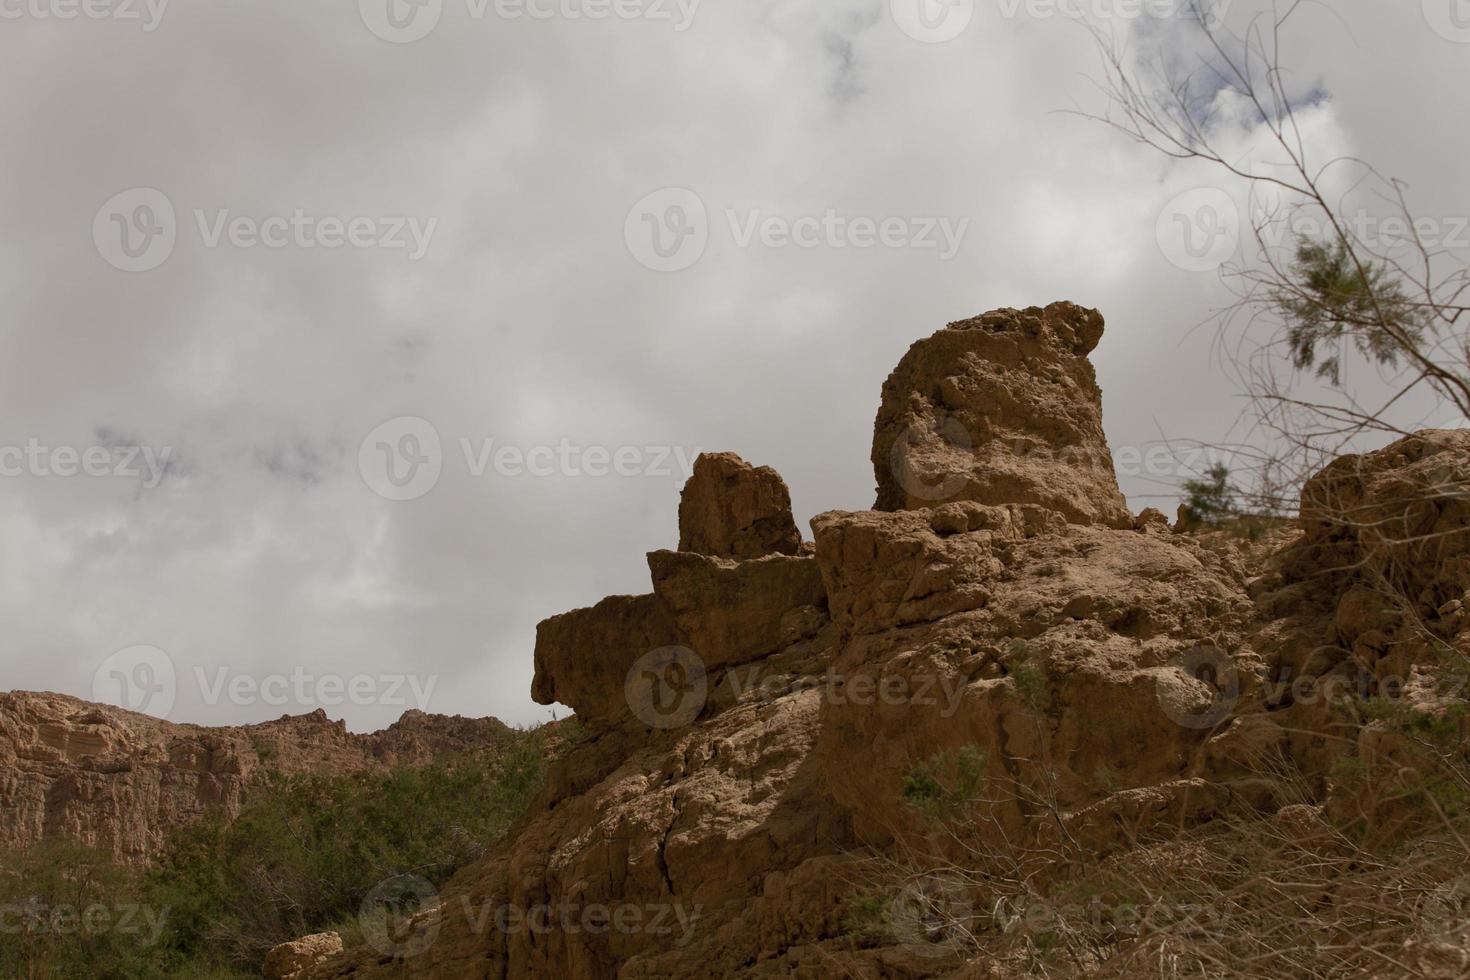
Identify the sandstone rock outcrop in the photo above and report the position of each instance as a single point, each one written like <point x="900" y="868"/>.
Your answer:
<point x="730" y="509"/>
<point x="1089" y="688"/>
<point x="289" y="960"/>
<point x="1026" y="622"/>
<point x="1003" y="408"/>
<point x="1371" y="601"/>
<point x="736" y="590"/>
<point x="121" y="781"/>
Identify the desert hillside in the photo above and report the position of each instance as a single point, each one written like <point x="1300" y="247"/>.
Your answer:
<point x="119" y="781"/>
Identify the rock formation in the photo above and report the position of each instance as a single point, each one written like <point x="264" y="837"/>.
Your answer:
<point x="289" y="960"/>
<point x="1003" y="408"/>
<point x="753" y="723"/>
<point x="767" y="735"/>
<point x="121" y="781"/>
<point x="730" y="509"/>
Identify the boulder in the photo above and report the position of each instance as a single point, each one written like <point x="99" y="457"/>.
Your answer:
<point x="288" y="960"/>
<point x="1003" y="408"/>
<point x="730" y="509"/>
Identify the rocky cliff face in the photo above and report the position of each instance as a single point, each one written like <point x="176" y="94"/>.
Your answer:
<point x="121" y="781"/>
<point x="768" y="731"/>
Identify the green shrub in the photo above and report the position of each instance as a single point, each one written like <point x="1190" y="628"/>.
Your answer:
<point x="1210" y="502"/>
<point x="931" y="790"/>
<point x="300" y="858"/>
<point x="70" y="911"/>
<point x="305" y="850"/>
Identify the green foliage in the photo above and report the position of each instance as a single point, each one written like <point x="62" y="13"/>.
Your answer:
<point x="930" y="789"/>
<point x="69" y="911"/>
<point x="305" y="850"/>
<point x="1210" y="502"/>
<point x="264" y="751"/>
<point x="865" y="917"/>
<point x="1443" y="728"/>
<point x="300" y="858"/>
<point x="1349" y="770"/>
<point x="1031" y="685"/>
<point x="1328" y="299"/>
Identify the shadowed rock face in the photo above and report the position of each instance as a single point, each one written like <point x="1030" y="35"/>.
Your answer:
<point x="736" y="591"/>
<point x="1003" y="408"/>
<point x="121" y="781"/>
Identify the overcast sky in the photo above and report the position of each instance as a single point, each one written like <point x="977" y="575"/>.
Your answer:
<point x="257" y="251"/>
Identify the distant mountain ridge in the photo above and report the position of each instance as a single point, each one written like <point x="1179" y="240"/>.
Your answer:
<point x="122" y="781"/>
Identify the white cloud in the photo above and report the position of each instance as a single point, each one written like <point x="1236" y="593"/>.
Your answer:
<point x="527" y="321"/>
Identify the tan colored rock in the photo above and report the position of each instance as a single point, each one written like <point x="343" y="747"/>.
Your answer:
<point x="730" y="509"/>
<point x="1003" y="408"/>
<point x="583" y="657"/>
<point x="1055" y="653"/>
<point x="731" y="612"/>
<point x="288" y="960"/>
<point x="1111" y="677"/>
<point x="1008" y="621"/>
<point x="122" y="781"/>
<point x="1396" y="520"/>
